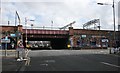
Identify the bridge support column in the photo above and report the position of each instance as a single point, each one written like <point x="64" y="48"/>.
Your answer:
<point x="71" y="39"/>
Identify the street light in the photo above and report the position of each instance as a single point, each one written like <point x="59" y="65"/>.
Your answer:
<point x="32" y="23"/>
<point x="113" y="6"/>
<point x="26" y="29"/>
<point x="31" y="26"/>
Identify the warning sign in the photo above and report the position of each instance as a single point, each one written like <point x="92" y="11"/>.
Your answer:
<point x="20" y="46"/>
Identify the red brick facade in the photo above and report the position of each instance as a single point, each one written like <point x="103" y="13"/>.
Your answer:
<point x="98" y="38"/>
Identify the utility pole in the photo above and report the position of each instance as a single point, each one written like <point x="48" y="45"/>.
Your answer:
<point x="26" y="31"/>
<point x="113" y="6"/>
<point x="114" y="21"/>
<point x="114" y="34"/>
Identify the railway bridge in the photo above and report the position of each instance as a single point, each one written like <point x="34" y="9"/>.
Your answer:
<point x="58" y="38"/>
<point x="83" y="38"/>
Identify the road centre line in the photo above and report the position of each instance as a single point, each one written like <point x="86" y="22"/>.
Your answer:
<point x="110" y="64"/>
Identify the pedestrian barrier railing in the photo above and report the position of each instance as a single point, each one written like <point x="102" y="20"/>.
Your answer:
<point x="14" y="53"/>
<point x="8" y="53"/>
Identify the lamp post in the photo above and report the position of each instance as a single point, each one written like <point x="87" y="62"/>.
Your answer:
<point x="32" y="25"/>
<point x="113" y="6"/>
<point x="26" y="31"/>
<point x="26" y="20"/>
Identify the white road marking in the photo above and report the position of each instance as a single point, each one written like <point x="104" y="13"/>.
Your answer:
<point x="44" y="64"/>
<point x="110" y="64"/>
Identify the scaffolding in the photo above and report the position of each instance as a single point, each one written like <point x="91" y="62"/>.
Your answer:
<point x="69" y="25"/>
<point x="93" y="24"/>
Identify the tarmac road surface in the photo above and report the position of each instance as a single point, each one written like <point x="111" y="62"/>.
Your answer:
<point x="72" y="60"/>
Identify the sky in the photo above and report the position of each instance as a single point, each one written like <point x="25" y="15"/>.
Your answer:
<point x="61" y="12"/>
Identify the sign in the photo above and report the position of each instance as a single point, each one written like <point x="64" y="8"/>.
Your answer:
<point x="20" y="46"/>
<point x="98" y="36"/>
<point x="5" y="40"/>
<point x="83" y="36"/>
<point x="12" y="35"/>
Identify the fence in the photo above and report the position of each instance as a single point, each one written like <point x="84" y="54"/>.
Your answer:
<point x="9" y="53"/>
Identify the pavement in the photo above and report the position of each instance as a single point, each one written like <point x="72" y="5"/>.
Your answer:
<point x="9" y="62"/>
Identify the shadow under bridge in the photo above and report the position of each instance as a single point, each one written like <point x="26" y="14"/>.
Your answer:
<point x="56" y="39"/>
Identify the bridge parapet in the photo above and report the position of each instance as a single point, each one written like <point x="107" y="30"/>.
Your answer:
<point x="55" y="32"/>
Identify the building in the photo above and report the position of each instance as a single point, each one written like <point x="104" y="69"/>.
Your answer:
<point x="13" y="33"/>
<point x="79" y="38"/>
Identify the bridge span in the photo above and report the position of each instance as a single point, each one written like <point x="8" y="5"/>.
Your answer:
<point x="80" y="38"/>
<point x="54" y="36"/>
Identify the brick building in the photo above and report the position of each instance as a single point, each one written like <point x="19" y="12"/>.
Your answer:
<point x="94" y="38"/>
<point x="7" y="30"/>
<point x="82" y="38"/>
<point x="12" y="32"/>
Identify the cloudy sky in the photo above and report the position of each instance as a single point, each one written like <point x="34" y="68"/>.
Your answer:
<point x="61" y="12"/>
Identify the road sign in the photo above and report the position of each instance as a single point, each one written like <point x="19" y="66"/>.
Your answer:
<point x="13" y="35"/>
<point x="83" y="36"/>
<point x="5" y="40"/>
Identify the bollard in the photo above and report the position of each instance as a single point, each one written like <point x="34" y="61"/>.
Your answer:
<point x="110" y="51"/>
<point x="6" y="50"/>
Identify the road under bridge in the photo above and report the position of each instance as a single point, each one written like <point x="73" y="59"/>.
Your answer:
<point x="58" y="38"/>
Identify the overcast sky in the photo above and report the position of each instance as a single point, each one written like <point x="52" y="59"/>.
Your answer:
<point x="61" y="12"/>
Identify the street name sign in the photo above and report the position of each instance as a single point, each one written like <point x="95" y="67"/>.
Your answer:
<point x="5" y="40"/>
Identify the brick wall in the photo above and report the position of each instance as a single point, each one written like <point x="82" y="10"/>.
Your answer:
<point x="96" y="35"/>
<point x="7" y="30"/>
<point x="11" y="28"/>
